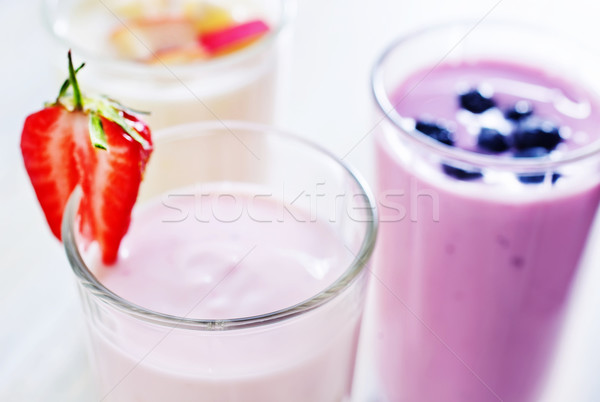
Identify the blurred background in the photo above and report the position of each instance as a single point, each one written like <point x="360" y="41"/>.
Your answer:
<point x="326" y="97"/>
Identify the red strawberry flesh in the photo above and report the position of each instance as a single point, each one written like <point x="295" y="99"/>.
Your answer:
<point x="47" y="146"/>
<point x="59" y="154"/>
<point x="110" y="181"/>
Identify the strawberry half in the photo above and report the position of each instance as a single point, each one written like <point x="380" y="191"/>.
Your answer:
<point x="94" y="143"/>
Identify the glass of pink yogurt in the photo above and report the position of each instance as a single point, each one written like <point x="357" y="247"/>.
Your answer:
<point x="231" y="286"/>
<point x="488" y="180"/>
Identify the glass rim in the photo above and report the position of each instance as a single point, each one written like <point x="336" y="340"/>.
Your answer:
<point x="88" y="280"/>
<point x="285" y="17"/>
<point x="387" y="108"/>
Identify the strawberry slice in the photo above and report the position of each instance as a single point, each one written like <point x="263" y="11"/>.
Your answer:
<point x="94" y="143"/>
<point x="47" y="147"/>
<point x="110" y="182"/>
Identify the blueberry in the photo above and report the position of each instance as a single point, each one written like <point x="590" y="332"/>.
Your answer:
<point x="555" y="177"/>
<point x="492" y="140"/>
<point x="435" y="131"/>
<point x="531" y="178"/>
<point x="461" y="174"/>
<point x="535" y="178"/>
<point x="521" y="110"/>
<point x="475" y="102"/>
<point x="537" y="133"/>
<point x="536" y="152"/>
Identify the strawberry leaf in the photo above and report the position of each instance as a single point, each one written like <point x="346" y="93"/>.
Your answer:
<point x="108" y="111"/>
<point x="96" y="107"/>
<point x="97" y="134"/>
<point x="119" y="105"/>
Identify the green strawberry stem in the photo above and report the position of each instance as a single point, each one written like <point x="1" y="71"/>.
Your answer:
<point x="65" y="86"/>
<point x="74" y="85"/>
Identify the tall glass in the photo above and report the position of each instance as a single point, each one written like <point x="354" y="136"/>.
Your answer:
<point x="477" y="267"/>
<point x="241" y="85"/>
<point x="300" y="351"/>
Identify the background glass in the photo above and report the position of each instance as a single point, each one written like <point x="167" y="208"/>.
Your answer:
<point x="241" y="85"/>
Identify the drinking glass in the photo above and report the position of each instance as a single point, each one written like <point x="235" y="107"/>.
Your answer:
<point x="476" y="274"/>
<point x="241" y="85"/>
<point x="298" y="352"/>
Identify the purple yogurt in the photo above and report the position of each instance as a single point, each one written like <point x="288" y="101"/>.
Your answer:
<point x="479" y="246"/>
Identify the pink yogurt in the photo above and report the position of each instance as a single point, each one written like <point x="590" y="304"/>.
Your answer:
<point x="224" y="254"/>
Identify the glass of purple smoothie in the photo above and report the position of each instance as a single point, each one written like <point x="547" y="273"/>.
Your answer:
<point x="488" y="180"/>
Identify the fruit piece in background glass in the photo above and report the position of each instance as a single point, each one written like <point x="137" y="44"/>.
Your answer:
<point x="197" y="31"/>
<point x="207" y="17"/>
<point x="94" y="143"/>
<point x="149" y="39"/>
<point x="233" y="38"/>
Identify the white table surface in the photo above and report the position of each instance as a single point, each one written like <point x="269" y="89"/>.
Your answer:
<point x="327" y="99"/>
